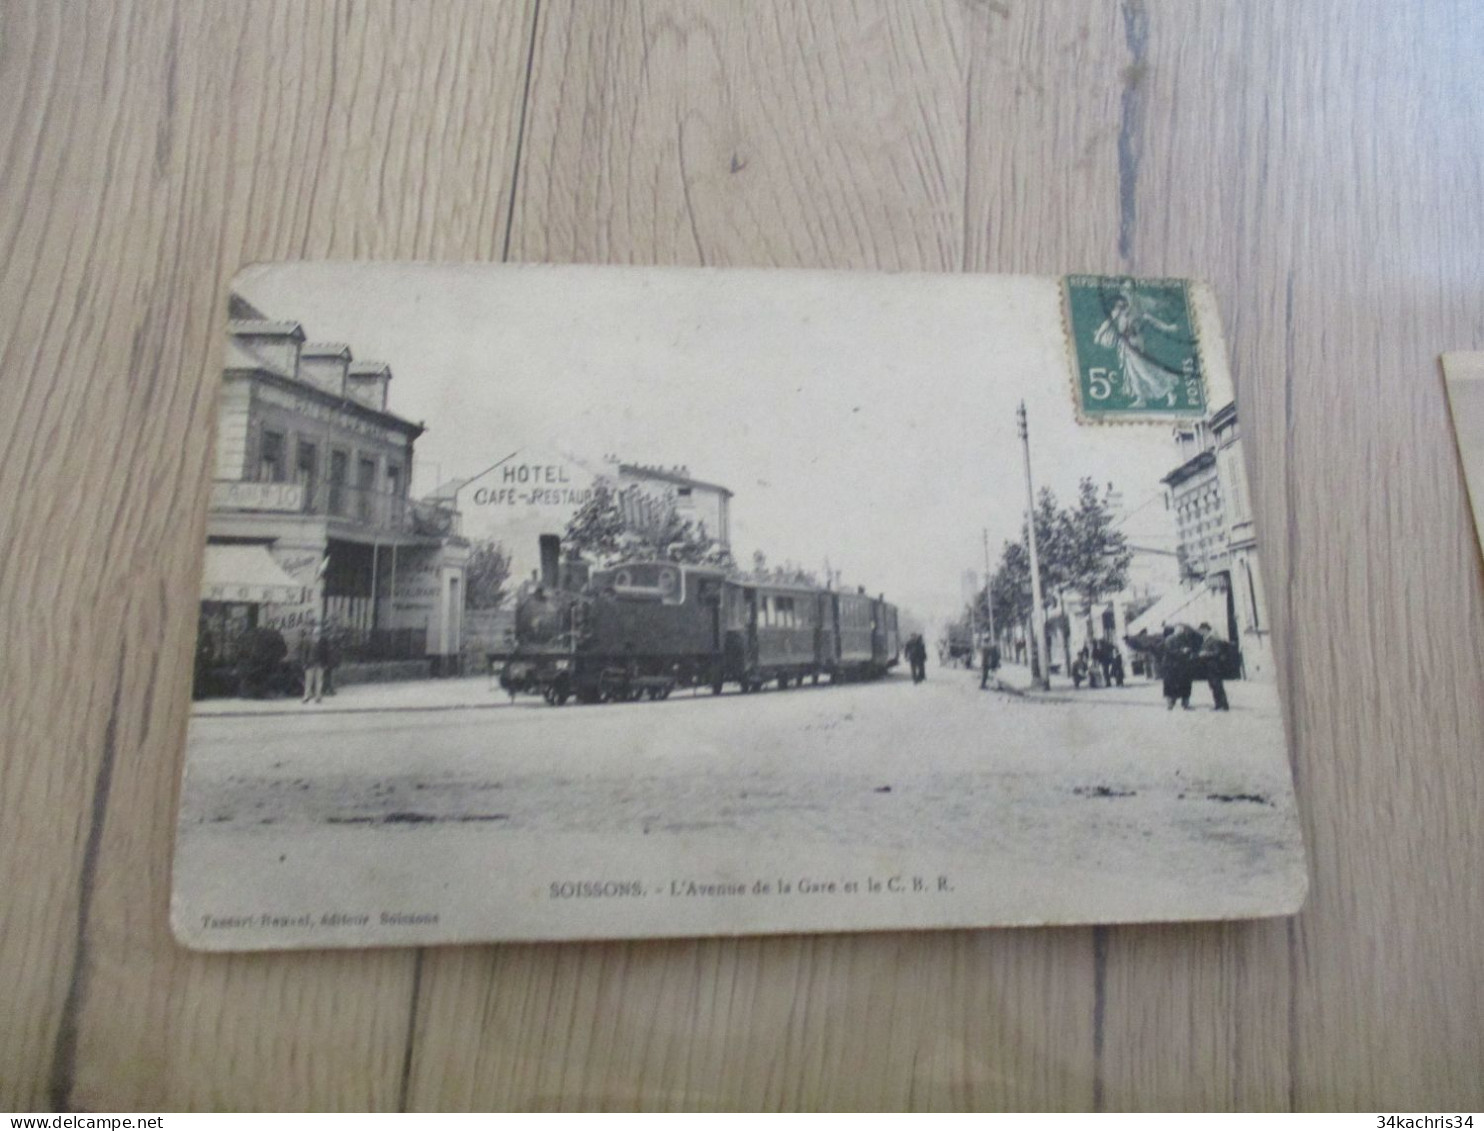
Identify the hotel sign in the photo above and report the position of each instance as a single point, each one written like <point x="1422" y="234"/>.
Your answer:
<point x="534" y="485"/>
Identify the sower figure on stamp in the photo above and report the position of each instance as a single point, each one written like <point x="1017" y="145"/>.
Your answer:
<point x="1212" y="660"/>
<point x="1144" y="379"/>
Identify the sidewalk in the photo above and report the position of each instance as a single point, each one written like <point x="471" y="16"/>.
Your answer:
<point x="1138" y="690"/>
<point x="462" y="693"/>
<point x="1016" y="680"/>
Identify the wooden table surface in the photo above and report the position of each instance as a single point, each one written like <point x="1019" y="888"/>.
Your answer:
<point x="1319" y="162"/>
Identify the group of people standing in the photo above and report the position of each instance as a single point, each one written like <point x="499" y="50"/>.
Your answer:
<point x="1100" y="658"/>
<point x="1186" y="654"/>
<point x="1181" y="656"/>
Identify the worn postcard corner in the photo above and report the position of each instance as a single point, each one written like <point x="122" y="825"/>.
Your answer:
<point x="573" y="603"/>
<point x="1463" y="375"/>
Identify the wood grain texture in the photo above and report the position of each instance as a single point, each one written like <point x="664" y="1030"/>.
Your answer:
<point x="155" y="150"/>
<point x="1318" y="162"/>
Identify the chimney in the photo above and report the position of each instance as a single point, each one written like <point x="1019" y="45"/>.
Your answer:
<point x="366" y="382"/>
<point x="551" y="556"/>
<point x="323" y="365"/>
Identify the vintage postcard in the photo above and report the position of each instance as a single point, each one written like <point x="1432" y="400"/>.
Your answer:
<point x="569" y="603"/>
<point x="1464" y="375"/>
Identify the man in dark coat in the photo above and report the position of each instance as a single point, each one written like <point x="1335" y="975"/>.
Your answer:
<point x="917" y="657"/>
<point x="991" y="664"/>
<point x="1177" y="656"/>
<point x="1079" y="669"/>
<point x="1212" y="658"/>
<point x="1103" y="653"/>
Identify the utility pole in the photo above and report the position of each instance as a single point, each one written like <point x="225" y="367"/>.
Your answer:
<point x="1041" y="673"/>
<point x="988" y="599"/>
<point x="973" y="616"/>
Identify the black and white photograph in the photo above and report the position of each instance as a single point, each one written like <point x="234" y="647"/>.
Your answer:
<point x="569" y="602"/>
<point x="1463" y="375"/>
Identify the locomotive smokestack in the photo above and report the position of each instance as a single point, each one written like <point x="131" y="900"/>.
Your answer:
<point x="551" y="557"/>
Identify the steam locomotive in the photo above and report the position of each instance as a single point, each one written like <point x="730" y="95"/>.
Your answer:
<point x="644" y="629"/>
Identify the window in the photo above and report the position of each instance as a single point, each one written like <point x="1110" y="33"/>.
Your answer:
<point x="270" y="458"/>
<point x="394" y="481"/>
<point x="339" y="468"/>
<point x="306" y="467"/>
<point x="365" y="488"/>
<point x="785" y="607"/>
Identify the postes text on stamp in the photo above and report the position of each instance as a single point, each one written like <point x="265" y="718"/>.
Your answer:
<point x="1134" y="350"/>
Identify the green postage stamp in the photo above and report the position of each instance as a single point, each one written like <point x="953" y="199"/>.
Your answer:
<point x="1134" y="350"/>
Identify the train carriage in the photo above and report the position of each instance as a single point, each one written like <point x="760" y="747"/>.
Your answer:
<point x="889" y="634"/>
<point x="855" y="620"/>
<point x="646" y="628"/>
<point x="783" y="641"/>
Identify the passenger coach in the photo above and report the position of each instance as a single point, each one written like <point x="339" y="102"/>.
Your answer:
<point x="645" y="628"/>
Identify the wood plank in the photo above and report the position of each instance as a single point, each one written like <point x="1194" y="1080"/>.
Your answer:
<point x="951" y="1020"/>
<point x="1387" y="604"/>
<point x="157" y="148"/>
<point x="790" y="135"/>
<point x="1281" y="153"/>
<point x="1197" y="1016"/>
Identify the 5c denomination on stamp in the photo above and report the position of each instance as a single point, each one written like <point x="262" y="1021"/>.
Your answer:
<point x="1134" y="350"/>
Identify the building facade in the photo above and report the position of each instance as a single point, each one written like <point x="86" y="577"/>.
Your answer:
<point x="1243" y="582"/>
<point x="311" y="522"/>
<point x="707" y="505"/>
<point x="1219" y="560"/>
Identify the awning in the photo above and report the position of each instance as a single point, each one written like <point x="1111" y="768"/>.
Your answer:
<point x="250" y="575"/>
<point x="1181" y="606"/>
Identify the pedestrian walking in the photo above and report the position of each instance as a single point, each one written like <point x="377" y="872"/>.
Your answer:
<point x="1213" y="660"/>
<point x="917" y="657"/>
<point x="991" y="664"/>
<point x="315" y="656"/>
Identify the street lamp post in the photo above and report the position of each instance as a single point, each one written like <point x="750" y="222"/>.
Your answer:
<point x="1038" y="610"/>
